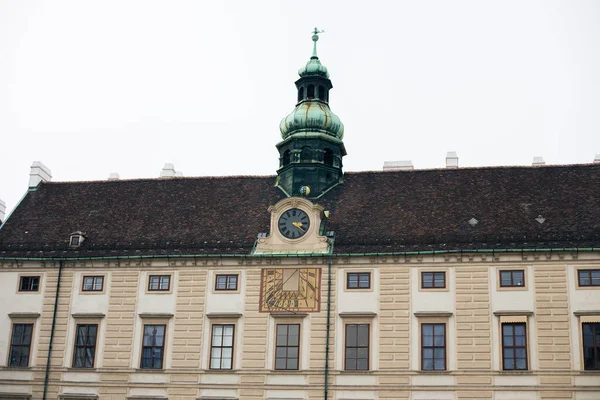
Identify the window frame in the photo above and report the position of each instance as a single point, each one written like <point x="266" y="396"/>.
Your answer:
<point x="357" y="347"/>
<point x="164" y="325"/>
<point x="287" y="346"/>
<point x="422" y="346"/>
<point x="212" y="346"/>
<point x="596" y="346"/>
<point x="92" y="290"/>
<point x="514" y="347"/>
<point x="26" y="276"/>
<point x="149" y="288"/>
<point x="14" y="324"/>
<point x="433" y="274"/>
<point x="512" y="278"/>
<point x="589" y="271"/>
<point x="227" y="278"/>
<point x="358" y="275"/>
<point x="85" y="346"/>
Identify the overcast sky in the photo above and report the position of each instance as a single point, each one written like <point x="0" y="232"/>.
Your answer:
<point x="91" y="88"/>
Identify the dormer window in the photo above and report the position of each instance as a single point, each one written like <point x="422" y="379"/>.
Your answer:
<point x="76" y="239"/>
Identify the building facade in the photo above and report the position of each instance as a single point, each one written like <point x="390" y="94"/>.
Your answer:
<point x="479" y="283"/>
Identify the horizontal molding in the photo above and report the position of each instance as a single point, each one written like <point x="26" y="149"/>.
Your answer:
<point x="586" y="312"/>
<point x="439" y="314"/>
<point x="288" y="314"/>
<point x="216" y="398"/>
<point x="507" y="313"/>
<point x="357" y="314"/>
<point x="14" y="396"/>
<point x="78" y="396"/>
<point x="88" y="315"/>
<point x="30" y="315"/>
<point x="224" y="315"/>
<point x="155" y="315"/>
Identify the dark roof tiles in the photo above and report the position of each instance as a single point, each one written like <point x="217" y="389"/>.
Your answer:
<point x="370" y="212"/>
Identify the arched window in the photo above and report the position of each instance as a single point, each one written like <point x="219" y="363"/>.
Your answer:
<point x="306" y="154"/>
<point x="321" y="93"/>
<point x="286" y="158"/>
<point x="328" y="157"/>
<point x="301" y="94"/>
<point x="310" y="92"/>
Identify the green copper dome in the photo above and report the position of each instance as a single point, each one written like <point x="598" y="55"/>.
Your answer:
<point x="312" y="117"/>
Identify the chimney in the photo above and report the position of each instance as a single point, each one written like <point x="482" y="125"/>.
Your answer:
<point x="39" y="172"/>
<point x="168" y="171"/>
<point x="451" y="160"/>
<point x="538" y="161"/>
<point x="2" y="210"/>
<point x="405" y="165"/>
<point x="597" y="159"/>
<point x="113" y="176"/>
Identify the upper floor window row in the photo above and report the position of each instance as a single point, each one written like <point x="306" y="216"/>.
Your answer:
<point x="226" y="282"/>
<point x="512" y="278"/>
<point x="159" y="283"/>
<point x="433" y="280"/>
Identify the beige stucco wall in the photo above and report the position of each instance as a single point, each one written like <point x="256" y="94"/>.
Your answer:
<point x="393" y="307"/>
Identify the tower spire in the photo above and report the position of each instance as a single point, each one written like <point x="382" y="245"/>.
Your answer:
<point x="315" y="38"/>
<point x="312" y="148"/>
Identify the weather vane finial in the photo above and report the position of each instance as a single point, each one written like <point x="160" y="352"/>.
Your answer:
<point x="315" y="37"/>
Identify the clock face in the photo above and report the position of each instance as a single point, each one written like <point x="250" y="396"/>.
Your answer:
<point x="293" y="223"/>
<point x="290" y="289"/>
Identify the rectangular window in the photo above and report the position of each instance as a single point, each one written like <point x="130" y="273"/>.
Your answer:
<point x="358" y="280"/>
<point x="514" y="346"/>
<point x="357" y="347"/>
<point x="85" y="346"/>
<point x="221" y="350"/>
<point x="226" y="282"/>
<point x="433" y="280"/>
<point x="29" y="284"/>
<point x="589" y="277"/>
<point x="153" y="346"/>
<point x="287" y="346"/>
<point x="93" y="283"/>
<point x="159" y="283"/>
<point x="20" y="345"/>
<point x="512" y="278"/>
<point x="591" y="346"/>
<point x="433" y="347"/>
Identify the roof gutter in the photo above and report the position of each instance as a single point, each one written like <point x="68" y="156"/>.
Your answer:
<point x="314" y="255"/>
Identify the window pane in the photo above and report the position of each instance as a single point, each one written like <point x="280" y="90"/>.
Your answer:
<point x="427" y="364"/>
<point x="438" y="353"/>
<point x="228" y="340"/>
<point x="293" y="352"/>
<point x="350" y="363"/>
<point x="520" y="330"/>
<point x="363" y="335"/>
<point x="294" y="329"/>
<point x="509" y="363"/>
<point x="351" y="335"/>
<point x="509" y="353"/>
<point x="518" y="278"/>
<point x="584" y="278"/>
<point x="519" y="341"/>
<point x="352" y="280"/>
<point x="439" y="279"/>
<point x="232" y="282"/>
<point x="226" y="364"/>
<point x="362" y="364"/>
<point x="507" y="329"/>
<point x="428" y="340"/>
<point x="227" y="353"/>
<point x="280" y="363"/>
<point x="521" y="363"/>
<point x="439" y="329"/>
<point x="427" y="353"/>
<point x="351" y="353"/>
<point x="281" y="352"/>
<point x="427" y="329"/>
<point x="439" y="364"/>
<point x="520" y="353"/>
<point x="427" y="279"/>
<point x="439" y="340"/>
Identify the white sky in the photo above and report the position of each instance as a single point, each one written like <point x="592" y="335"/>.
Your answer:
<point x="90" y="88"/>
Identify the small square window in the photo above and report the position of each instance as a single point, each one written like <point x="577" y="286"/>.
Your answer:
<point x="358" y="280"/>
<point x="433" y="280"/>
<point x="75" y="240"/>
<point x="159" y="283"/>
<point x="226" y="282"/>
<point x="588" y="277"/>
<point x="512" y="278"/>
<point x="29" y="284"/>
<point x="93" y="283"/>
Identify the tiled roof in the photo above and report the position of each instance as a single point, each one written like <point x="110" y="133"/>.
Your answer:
<point x="398" y="211"/>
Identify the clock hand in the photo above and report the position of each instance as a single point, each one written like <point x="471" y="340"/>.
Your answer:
<point x="298" y="225"/>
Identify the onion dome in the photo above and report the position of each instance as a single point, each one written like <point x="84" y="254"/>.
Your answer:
<point x="312" y="117"/>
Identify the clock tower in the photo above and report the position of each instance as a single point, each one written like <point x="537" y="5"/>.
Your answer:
<point x="310" y="154"/>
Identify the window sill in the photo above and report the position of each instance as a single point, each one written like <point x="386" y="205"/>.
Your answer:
<point x="437" y="372"/>
<point x="221" y="371"/>
<point x="151" y="370"/>
<point x="357" y="371"/>
<point x="28" y="368"/>
<point x="82" y="369"/>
